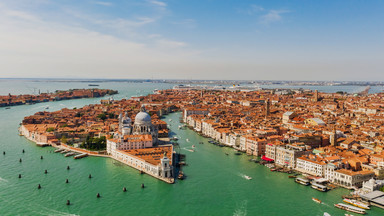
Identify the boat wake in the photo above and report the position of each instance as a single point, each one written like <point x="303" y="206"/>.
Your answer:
<point x="241" y="209"/>
<point x="244" y="176"/>
<point x="3" y="180"/>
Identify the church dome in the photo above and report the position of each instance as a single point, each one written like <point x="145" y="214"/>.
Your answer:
<point x="142" y="118"/>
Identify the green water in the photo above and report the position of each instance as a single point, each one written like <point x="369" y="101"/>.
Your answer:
<point x="215" y="184"/>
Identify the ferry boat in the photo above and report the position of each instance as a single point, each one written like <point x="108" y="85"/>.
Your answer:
<point x="357" y="203"/>
<point x="319" y="187"/>
<point x="302" y="181"/>
<point x="247" y="177"/>
<point x="316" y="200"/>
<point x="350" y="208"/>
<point x="80" y="156"/>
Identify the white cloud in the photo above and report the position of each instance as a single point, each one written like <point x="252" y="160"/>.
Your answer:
<point x="158" y="3"/>
<point x="272" y="16"/>
<point x="40" y="48"/>
<point x="103" y="3"/>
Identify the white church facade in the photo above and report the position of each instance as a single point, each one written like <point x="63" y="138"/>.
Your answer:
<point x="136" y="145"/>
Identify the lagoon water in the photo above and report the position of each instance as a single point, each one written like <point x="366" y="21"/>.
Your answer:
<point x="215" y="183"/>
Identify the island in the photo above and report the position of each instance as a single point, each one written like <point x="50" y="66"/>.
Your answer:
<point x="14" y="100"/>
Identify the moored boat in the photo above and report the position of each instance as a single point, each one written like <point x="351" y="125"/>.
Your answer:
<point x="319" y="187"/>
<point x="69" y="154"/>
<point x="181" y="175"/>
<point x="316" y="200"/>
<point x="350" y="208"/>
<point x="356" y="203"/>
<point x="302" y="181"/>
<point x="80" y="156"/>
<point x="59" y="150"/>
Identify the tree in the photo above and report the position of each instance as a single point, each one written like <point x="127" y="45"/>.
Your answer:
<point x="102" y="116"/>
<point x="382" y="189"/>
<point x="50" y="129"/>
<point x="64" y="139"/>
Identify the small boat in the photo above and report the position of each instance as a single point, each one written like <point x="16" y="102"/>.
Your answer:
<point x="191" y="150"/>
<point x="175" y="138"/>
<point x="302" y="181"/>
<point x="187" y="140"/>
<point x="59" y="150"/>
<point x="201" y="143"/>
<point x="93" y="85"/>
<point x="316" y="200"/>
<point x="69" y="154"/>
<point x="7" y="107"/>
<point x="273" y="169"/>
<point x="181" y="175"/>
<point x="291" y="176"/>
<point x="350" y="208"/>
<point x="326" y="214"/>
<point x="80" y="156"/>
<point x="47" y="107"/>
<point x="227" y="154"/>
<point x="247" y="177"/>
<point x="65" y="151"/>
<point x="237" y="153"/>
<point x="170" y="120"/>
<point x="193" y="146"/>
<point x="356" y="203"/>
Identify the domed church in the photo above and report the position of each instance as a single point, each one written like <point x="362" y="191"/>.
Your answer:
<point x="142" y="125"/>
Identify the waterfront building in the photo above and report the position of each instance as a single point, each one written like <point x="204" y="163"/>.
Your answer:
<point x="287" y="155"/>
<point x="310" y="165"/>
<point x="372" y="185"/>
<point x="352" y="179"/>
<point x="134" y="145"/>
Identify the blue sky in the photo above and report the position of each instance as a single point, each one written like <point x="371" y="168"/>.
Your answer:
<point x="193" y="39"/>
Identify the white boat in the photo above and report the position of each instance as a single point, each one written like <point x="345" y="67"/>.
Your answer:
<point x="350" y="208"/>
<point x="356" y="203"/>
<point x="69" y="154"/>
<point x="302" y="181"/>
<point x="187" y="140"/>
<point x="316" y="200"/>
<point x="170" y="120"/>
<point x="191" y="150"/>
<point x="59" y="150"/>
<point x="319" y="187"/>
<point x="326" y="214"/>
<point x="247" y="177"/>
<point x="80" y="156"/>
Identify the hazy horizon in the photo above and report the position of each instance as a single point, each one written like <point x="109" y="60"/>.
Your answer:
<point x="197" y="40"/>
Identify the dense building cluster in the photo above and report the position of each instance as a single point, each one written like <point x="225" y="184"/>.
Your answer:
<point x="333" y="135"/>
<point x="13" y="100"/>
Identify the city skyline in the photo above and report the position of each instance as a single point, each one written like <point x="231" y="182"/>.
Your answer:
<point x="231" y="40"/>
